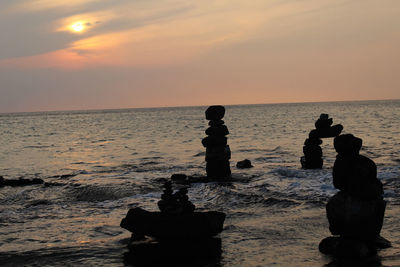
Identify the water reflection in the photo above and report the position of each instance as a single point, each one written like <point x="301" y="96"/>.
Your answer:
<point x="204" y="252"/>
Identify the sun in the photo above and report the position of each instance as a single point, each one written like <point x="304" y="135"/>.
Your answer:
<point x="77" y="27"/>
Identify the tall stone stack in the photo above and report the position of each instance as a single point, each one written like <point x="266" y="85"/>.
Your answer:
<point x="312" y="158"/>
<point x="218" y="152"/>
<point x="355" y="214"/>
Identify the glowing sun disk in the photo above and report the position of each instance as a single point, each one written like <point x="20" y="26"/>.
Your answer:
<point x="78" y="27"/>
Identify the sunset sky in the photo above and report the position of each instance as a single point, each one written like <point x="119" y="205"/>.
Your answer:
<point x="95" y="54"/>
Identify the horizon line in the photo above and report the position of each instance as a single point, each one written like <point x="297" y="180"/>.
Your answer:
<point x="188" y="106"/>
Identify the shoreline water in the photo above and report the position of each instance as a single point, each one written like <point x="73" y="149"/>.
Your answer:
<point x="107" y="162"/>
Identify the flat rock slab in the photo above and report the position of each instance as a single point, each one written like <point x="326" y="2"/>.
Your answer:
<point x="170" y="226"/>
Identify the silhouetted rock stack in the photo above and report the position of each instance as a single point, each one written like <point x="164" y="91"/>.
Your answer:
<point x="218" y="152"/>
<point x="175" y="203"/>
<point x="355" y="214"/>
<point x="177" y="219"/>
<point x="312" y="158"/>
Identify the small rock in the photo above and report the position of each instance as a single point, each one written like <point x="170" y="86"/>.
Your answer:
<point x="244" y="164"/>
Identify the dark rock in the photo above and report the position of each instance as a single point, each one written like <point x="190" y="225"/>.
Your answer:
<point x="355" y="213"/>
<point x="329" y="245"/>
<point x="312" y="151"/>
<point x="20" y="182"/>
<point x="215" y="113"/>
<point x="356" y="176"/>
<point x="354" y="218"/>
<point x="311" y="163"/>
<point x="346" y="247"/>
<point x="178" y="177"/>
<point x="177" y="203"/>
<point x="214" y="141"/>
<point x="326" y="132"/>
<point x="333" y="131"/>
<point x="323" y="122"/>
<point x="244" y="164"/>
<point x="218" y="169"/>
<point x="347" y="145"/>
<point x="218" y="153"/>
<point x="312" y="141"/>
<point x="314" y="134"/>
<point x="220" y="130"/>
<point x="216" y="123"/>
<point x="170" y="226"/>
<point x="381" y="242"/>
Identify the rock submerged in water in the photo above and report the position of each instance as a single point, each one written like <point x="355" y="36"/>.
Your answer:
<point x="19" y="182"/>
<point x="244" y="164"/>
<point x="171" y="226"/>
<point x="351" y="248"/>
<point x="177" y="219"/>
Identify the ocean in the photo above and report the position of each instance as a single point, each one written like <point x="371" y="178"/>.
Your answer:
<point x="101" y="163"/>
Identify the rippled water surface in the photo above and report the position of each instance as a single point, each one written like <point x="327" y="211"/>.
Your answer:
<point x="101" y="163"/>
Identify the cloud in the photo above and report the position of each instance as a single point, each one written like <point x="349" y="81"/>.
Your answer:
<point x="175" y="52"/>
<point x="144" y="33"/>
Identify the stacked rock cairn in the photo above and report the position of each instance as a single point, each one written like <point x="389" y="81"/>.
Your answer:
<point x="356" y="212"/>
<point x="175" y="203"/>
<point x="218" y="152"/>
<point x="312" y="158"/>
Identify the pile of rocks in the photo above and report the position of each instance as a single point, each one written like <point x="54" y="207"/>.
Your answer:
<point x="218" y="152"/>
<point x="355" y="214"/>
<point x="175" y="203"/>
<point x="177" y="220"/>
<point x="312" y="158"/>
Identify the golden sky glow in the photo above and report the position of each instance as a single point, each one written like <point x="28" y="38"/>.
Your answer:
<point x="275" y="51"/>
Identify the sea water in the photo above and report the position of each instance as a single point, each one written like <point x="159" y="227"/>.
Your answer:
<point x="101" y="163"/>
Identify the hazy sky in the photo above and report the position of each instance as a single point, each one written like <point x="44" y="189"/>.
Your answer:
<point x="93" y="54"/>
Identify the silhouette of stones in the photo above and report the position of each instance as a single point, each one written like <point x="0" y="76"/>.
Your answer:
<point x="218" y="152"/>
<point x="323" y="128"/>
<point x="175" y="203"/>
<point x="244" y="164"/>
<point x="19" y="182"/>
<point x="356" y="213"/>
<point x="312" y="158"/>
<point x="177" y="219"/>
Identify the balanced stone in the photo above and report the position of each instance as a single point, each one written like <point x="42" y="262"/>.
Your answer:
<point x="312" y="158"/>
<point x="215" y="113"/>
